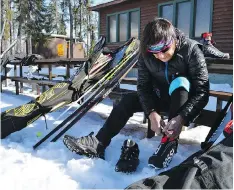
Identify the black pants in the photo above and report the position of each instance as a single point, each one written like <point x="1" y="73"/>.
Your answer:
<point x="130" y="104"/>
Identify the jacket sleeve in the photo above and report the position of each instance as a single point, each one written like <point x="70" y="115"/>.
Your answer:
<point x="144" y="87"/>
<point x="199" y="79"/>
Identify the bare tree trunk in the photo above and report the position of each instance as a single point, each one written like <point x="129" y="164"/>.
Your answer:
<point x="29" y="45"/>
<point x="10" y="22"/>
<point x="18" y="46"/>
<point x="1" y="23"/>
<point x="80" y="20"/>
<point x="56" y="16"/>
<point x="71" y="29"/>
<point x="75" y="25"/>
<point x="88" y="22"/>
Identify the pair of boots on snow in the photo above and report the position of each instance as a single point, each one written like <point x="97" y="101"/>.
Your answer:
<point x="129" y="159"/>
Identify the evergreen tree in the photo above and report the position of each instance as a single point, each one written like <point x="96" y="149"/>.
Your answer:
<point x="63" y="18"/>
<point x="32" y="21"/>
<point x="52" y="17"/>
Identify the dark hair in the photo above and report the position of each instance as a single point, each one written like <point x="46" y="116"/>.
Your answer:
<point x="155" y="31"/>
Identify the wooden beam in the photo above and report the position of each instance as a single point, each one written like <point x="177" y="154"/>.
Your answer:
<point x="221" y="95"/>
<point x="219" y="61"/>
<point x="57" y="61"/>
<point x="220" y="68"/>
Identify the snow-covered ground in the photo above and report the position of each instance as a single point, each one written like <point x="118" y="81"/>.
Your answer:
<point x="53" y="167"/>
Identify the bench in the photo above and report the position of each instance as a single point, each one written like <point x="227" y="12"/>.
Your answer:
<point x="39" y="82"/>
<point x="3" y="78"/>
<point x="52" y="76"/>
<point x="206" y="117"/>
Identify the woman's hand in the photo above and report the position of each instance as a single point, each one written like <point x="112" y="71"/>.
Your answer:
<point x="156" y="122"/>
<point x="174" y="127"/>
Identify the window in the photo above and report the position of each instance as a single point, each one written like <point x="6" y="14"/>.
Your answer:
<point x="112" y="32"/>
<point x="167" y="12"/>
<point x="135" y="24"/>
<point x="124" y="25"/>
<point x="183" y="20"/>
<point x="193" y="17"/>
<point x="202" y="21"/>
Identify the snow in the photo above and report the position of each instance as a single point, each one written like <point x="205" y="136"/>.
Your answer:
<point x="53" y="167"/>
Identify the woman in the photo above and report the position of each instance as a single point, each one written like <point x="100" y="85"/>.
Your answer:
<point x="172" y="78"/>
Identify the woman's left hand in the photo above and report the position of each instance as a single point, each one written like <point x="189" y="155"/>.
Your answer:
<point x="174" y="127"/>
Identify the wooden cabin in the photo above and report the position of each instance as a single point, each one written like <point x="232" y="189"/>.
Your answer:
<point x="122" y="19"/>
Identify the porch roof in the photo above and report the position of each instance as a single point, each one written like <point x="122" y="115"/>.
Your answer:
<point x="108" y="4"/>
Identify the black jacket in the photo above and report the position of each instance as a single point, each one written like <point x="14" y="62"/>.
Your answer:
<point x="188" y="61"/>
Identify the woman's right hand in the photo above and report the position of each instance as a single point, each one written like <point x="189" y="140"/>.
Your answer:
<point x="156" y="122"/>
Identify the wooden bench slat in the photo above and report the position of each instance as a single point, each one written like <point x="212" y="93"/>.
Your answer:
<point x="42" y="82"/>
<point x="221" y="95"/>
<point x="218" y="94"/>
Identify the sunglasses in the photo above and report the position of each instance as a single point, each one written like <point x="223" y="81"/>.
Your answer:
<point x="160" y="47"/>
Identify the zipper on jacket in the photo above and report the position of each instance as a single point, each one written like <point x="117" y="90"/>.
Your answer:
<point x="166" y="72"/>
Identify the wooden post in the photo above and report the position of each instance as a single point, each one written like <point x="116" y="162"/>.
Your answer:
<point x="68" y="70"/>
<point x="219" y="105"/>
<point x="2" y="79"/>
<point x="50" y="72"/>
<point x="15" y="70"/>
<point x="38" y="89"/>
<point x="16" y="87"/>
<point x="21" y="75"/>
<point x="5" y="73"/>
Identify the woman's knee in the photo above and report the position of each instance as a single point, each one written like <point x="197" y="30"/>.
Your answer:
<point x="179" y="83"/>
<point x="129" y="103"/>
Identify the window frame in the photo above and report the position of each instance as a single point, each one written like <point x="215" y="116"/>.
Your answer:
<point x="117" y="24"/>
<point x="192" y="14"/>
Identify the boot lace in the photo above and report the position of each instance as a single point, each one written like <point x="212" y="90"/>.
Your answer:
<point x="89" y="139"/>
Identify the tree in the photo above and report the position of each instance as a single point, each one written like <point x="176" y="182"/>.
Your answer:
<point x="52" y="17"/>
<point x="71" y="27"/>
<point x="32" y="20"/>
<point x="63" y="17"/>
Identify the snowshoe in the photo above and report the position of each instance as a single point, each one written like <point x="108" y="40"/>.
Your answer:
<point x="87" y="145"/>
<point x="164" y="153"/>
<point x="129" y="158"/>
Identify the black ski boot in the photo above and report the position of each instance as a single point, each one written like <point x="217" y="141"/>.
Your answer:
<point x="128" y="160"/>
<point x="164" y="153"/>
<point x="209" y="49"/>
<point x="87" y="145"/>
